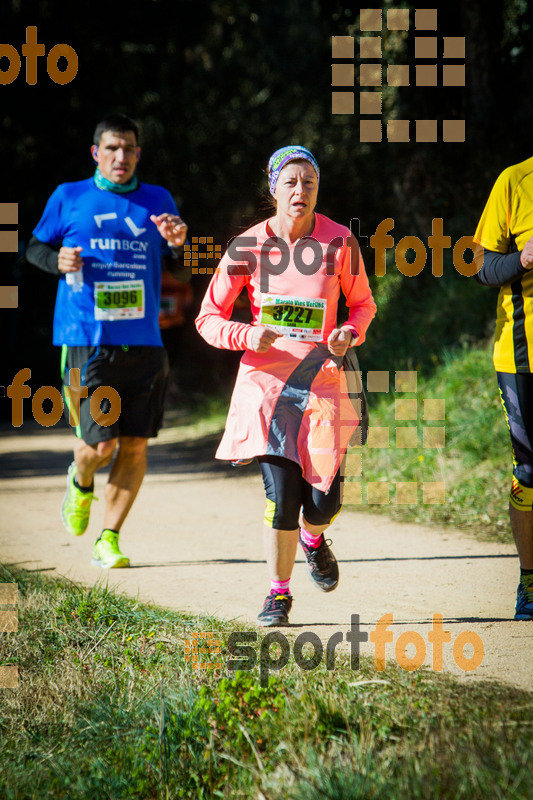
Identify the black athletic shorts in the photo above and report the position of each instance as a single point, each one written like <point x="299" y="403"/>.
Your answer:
<point x="516" y="391"/>
<point x="287" y="492"/>
<point x="138" y="374"/>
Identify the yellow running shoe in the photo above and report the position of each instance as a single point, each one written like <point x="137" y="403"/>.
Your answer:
<point x="106" y="553"/>
<point x="76" y="507"/>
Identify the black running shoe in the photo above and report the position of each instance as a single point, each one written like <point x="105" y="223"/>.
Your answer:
<point x="322" y="565"/>
<point x="275" y="611"/>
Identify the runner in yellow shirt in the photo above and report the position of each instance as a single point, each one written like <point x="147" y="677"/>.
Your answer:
<point x="506" y="233"/>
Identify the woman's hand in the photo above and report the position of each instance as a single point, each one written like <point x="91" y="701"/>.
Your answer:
<point x="339" y="341"/>
<point x="263" y="338"/>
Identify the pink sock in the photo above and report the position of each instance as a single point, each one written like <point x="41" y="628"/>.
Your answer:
<point x="309" y="539"/>
<point x="279" y="587"/>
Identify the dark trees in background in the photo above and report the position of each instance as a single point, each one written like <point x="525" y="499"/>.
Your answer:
<point x="217" y="86"/>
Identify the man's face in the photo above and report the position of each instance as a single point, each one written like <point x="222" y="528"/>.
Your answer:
<point x="117" y="155"/>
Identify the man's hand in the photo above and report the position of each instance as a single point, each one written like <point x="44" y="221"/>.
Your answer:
<point x="339" y="341"/>
<point x="526" y="256"/>
<point x="171" y="228"/>
<point x="263" y="338"/>
<point x="69" y="259"/>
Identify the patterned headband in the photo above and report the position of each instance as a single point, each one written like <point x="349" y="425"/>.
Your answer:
<point x="281" y="158"/>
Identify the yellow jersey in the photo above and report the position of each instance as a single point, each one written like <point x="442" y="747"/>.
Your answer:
<point x="507" y="224"/>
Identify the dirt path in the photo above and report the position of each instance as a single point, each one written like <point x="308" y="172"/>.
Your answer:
<point x="194" y="539"/>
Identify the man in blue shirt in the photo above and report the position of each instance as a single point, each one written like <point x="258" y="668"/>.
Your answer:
<point x="106" y="237"/>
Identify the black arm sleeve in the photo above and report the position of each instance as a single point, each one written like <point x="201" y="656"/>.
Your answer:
<point x="499" y="268"/>
<point x="175" y="264"/>
<point x="42" y="255"/>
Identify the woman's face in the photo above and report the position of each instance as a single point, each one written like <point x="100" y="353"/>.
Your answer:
<point x="296" y="190"/>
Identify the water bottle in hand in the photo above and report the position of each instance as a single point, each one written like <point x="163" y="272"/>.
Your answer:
<point x="75" y="280"/>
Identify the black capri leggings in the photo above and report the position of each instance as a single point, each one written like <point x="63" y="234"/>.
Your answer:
<point x="287" y="492"/>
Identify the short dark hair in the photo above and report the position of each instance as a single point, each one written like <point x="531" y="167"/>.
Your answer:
<point x="118" y="123"/>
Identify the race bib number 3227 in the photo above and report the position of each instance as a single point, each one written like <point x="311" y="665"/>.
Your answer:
<point x="295" y="317"/>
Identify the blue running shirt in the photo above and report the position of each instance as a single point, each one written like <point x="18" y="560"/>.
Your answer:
<point x="122" y="249"/>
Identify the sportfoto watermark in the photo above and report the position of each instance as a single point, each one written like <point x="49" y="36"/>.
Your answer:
<point x="419" y="425"/>
<point x="375" y="72"/>
<point x="274" y="254"/>
<point x="9" y="215"/>
<point x="381" y="241"/>
<point x="18" y="390"/>
<point x="243" y="656"/>
<point x="31" y="50"/>
<point x="203" y="644"/>
<point x="9" y="623"/>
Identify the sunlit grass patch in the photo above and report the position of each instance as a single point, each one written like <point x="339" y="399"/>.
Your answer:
<point x="108" y="707"/>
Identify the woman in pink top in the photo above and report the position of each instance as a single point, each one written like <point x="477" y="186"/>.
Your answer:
<point x="293" y="404"/>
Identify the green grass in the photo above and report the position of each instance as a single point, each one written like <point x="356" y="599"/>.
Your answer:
<point x="207" y="415"/>
<point x="475" y="464"/>
<point x="108" y="707"/>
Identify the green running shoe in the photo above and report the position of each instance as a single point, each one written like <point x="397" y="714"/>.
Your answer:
<point x="76" y="506"/>
<point x="106" y="553"/>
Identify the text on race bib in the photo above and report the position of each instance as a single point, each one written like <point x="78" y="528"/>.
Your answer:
<point x="299" y="318"/>
<point x="116" y="300"/>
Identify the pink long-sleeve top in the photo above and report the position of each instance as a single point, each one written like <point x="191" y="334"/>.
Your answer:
<point x="247" y="263"/>
<point x="291" y="401"/>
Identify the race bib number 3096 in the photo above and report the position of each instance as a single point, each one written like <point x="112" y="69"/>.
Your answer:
<point x="295" y="317"/>
<point x="115" y="300"/>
